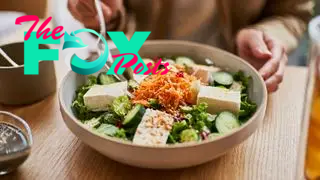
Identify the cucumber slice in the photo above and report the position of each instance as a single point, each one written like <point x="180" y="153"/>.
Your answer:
<point x="121" y="106"/>
<point x="226" y="122"/>
<point x="184" y="61"/>
<point x="189" y="135"/>
<point x="222" y="79"/>
<point x="134" y="116"/>
<point x="105" y="79"/>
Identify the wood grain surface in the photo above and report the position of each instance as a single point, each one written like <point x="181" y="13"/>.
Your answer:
<point x="271" y="153"/>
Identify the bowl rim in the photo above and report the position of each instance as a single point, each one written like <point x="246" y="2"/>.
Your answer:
<point x="178" y="145"/>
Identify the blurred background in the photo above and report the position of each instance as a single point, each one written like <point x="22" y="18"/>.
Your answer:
<point x="11" y="9"/>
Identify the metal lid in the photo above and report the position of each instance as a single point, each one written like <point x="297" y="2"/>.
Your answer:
<point x="314" y="30"/>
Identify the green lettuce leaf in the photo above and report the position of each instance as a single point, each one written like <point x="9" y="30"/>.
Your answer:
<point x="93" y="123"/>
<point x="247" y="107"/>
<point x="107" y="129"/>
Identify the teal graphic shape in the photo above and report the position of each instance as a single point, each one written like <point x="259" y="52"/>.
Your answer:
<point x="79" y="65"/>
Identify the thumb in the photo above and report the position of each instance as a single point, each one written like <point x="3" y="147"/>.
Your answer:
<point x="258" y="46"/>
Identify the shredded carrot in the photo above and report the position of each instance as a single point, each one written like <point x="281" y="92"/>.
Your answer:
<point x="171" y="90"/>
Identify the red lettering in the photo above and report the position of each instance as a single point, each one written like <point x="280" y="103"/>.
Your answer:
<point x="139" y="68"/>
<point x="136" y="70"/>
<point x="128" y="64"/>
<point x="156" y="67"/>
<point x="45" y="33"/>
<point x="40" y="31"/>
<point x="57" y="30"/>
<point x="149" y="65"/>
<point x="25" y="18"/>
<point x="118" y="65"/>
<point x="166" y="68"/>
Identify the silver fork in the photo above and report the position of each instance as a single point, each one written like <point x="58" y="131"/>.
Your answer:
<point x="101" y="46"/>
<point x="128" y="73"/>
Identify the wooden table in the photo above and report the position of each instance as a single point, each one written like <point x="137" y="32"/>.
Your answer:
<point x="270" y="153"/>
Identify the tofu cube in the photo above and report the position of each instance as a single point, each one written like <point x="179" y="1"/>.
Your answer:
<point x="219" y="99"/>
<point x="154" y="128"/>
<point x="100" y="96"/>
<point x="204" y="73"/>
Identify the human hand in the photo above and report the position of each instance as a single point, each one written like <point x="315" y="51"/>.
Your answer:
<point x="265" y="54"/>
<point x="85" y="11"/>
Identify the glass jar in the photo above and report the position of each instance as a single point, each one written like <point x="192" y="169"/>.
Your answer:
<point x="15" y="142"/>
<point x="312" y="158"/>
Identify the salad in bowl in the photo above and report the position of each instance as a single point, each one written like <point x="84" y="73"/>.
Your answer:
<point x="191" y="103"/>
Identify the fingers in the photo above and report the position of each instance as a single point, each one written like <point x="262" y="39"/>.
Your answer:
<point x="272" y="65"/>
<point x="265" y="54"/>
<point x="258" y="46"/>
<point x="273" y="82"/>
<point x="273" y="70"/>
<point x="85" y="12"/>
<point x="86" y="8"/>
<point x="74" y="12"/>
<point x="93" y="22"/>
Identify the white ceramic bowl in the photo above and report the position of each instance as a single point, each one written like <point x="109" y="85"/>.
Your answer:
<point x="171" y="156"/>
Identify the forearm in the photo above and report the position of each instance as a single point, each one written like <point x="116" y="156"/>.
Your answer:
<point x="286" y="30"/>
<point x="287" y="25"/>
